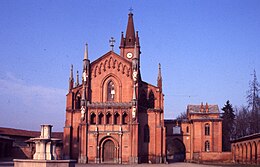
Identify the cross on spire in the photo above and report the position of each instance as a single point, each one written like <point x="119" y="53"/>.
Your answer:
<point x="131" y="9"/>
<point x="112" y="41"/>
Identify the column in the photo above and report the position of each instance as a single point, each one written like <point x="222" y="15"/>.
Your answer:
<point x="120" y="146"/>
<point x="42" y="153"/>
<point x="54" y="151"/>
<point x="97" y="159"/>
<point x="37" y="150"/>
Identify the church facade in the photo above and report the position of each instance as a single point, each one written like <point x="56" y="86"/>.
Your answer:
<point x="113" y="116"/>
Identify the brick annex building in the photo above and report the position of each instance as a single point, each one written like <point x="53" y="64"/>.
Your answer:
<point x="114" y="116"/>
<point x="197" y="138"/>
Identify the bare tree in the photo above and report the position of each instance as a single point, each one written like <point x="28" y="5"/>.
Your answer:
<point x="254" y="104"/>
<point x="182" y="116"/>
<point x="242" y="122"/>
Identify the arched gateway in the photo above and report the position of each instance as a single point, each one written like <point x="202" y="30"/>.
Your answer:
<point x="175" y="151"/>
<point x="109" y="152"/>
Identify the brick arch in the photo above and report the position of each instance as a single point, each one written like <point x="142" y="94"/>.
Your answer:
<point x="100" y="118"/>
<point x="236" y="153"/>
<point x="110" y="62"/>
<point x="240" y="153"/>
<point x="77" y="100"/>
<point x="117" y="119"/>
<point x="258" y="152"/>
<point x="119" y="66"/>
<point x="105" y="65"/>
<point x="109" y="118"/>
<point x="125" y="117"/>
<point x="95" y="71"/>
<point x="124" y="69"/>
<point x="244" y="152"/>
<point x="118" y="87"/>
<point x="254" y="152"/>
<point x="249" y="152"/>
<point x="176" y="150"/>
<point x="92" y="118"/>
<point x="114" y="63"/>
<point x="100" y="68"/>
<point x="151" y="99"/>
<point x="103" y="151"/>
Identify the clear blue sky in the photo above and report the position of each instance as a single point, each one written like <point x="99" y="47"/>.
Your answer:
<point x="208" y="51"/>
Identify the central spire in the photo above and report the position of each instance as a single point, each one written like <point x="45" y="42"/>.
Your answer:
<point x="130" y="45"/>
<point x="130" y="31"/>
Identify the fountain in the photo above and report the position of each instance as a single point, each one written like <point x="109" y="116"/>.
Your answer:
<point x="45" y="154"/>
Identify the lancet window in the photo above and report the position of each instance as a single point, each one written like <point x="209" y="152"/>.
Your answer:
<point x="124" y="118"/>
<point x="108" y="118"/>
<point x="100" y="118"/>
<point x="93" y="119"/>
<point x="111" y="91"/>
<point x="116" y="118"/>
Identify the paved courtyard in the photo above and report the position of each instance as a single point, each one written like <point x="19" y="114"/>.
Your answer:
<point x="10" y="164"/>
<point x="148" y="165"/>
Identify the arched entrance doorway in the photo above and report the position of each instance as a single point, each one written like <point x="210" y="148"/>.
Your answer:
<point x="176" y="151"/>
<point x="109" y="152"/>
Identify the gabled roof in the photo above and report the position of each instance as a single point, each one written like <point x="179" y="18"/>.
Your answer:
<point x="109" y="54"/>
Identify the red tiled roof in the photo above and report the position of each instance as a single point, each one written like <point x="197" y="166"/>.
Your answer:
<point x="26" y="133"/>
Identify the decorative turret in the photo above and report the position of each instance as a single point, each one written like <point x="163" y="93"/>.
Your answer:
<point x="135" y="75"/>
<point x="77" y="80"/>
<point x="135" y="60"/>
<point x="86" y="64"/>
<point x="85" y="83"/>
<point x="207" y="108"/>
<point x="201" y="107"/>
<point x="85" y="60"/>
<point x="137" y="39"/>
<point x="71" y="79"/>
<point x="122" y="43"/>
<point x="159" y="78"/>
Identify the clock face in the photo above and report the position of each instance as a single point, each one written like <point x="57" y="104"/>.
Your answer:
<point x="129" y="55"/>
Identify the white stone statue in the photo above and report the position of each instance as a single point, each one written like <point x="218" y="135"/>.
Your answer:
<point x="82" y="111"/>
<point x="134" y="112"/>
<point x="135" y="76"/>
<point x="84" y="76"/>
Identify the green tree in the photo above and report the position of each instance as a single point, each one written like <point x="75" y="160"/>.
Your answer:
<point x="227" y="126"/>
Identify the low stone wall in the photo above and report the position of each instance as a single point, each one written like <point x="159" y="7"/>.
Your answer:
<point x="216" y="157"/>
<point x="43" y="163"/>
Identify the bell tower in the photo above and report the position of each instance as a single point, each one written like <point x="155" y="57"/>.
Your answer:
<point x="127" y="44"/>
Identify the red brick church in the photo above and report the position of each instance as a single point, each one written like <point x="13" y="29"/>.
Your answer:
<point x="113" y="116"/>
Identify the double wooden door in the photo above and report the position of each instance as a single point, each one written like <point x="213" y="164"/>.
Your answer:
<point x="109" y="151"/>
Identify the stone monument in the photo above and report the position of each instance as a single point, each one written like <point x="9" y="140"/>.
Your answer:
<point x="45" y="145"/>
<point x="45" y="154"/>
